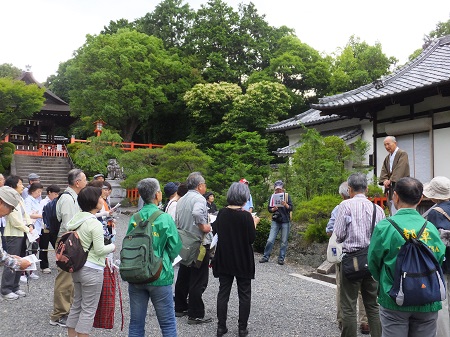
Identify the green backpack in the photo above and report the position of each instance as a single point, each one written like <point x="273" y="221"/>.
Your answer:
<point x="138" y="262"/>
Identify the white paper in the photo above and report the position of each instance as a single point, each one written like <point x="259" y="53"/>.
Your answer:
<point x="212" y="218"/>
<point x="276" y="199"/>
<point x="176" y="260"/>
<point x="214" y="241"/>
<point x="33" y="236"/>
<point x="33" y="259"/>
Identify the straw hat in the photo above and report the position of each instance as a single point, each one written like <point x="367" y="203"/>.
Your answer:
<point x="437" y="188"/>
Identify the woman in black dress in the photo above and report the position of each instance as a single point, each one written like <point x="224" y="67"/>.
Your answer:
<point x="234" y="256"/>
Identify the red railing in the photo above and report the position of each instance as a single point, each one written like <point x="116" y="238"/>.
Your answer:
<point x="43" y="151"/>
<point x="133" y="195"/>
<point x="125" y="146"/>
<point x="380" y="201"/>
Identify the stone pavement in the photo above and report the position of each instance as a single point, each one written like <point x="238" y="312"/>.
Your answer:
<point x="284" y="303"/>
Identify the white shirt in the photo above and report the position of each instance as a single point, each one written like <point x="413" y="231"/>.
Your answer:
<point x="391" y="159"/>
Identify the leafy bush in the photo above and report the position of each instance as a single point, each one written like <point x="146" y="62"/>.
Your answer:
<point x="6" y="156"/>
<point x="93" y="156"/>
<point x="139" y="164"/>
<point x="74" y="147"/>
<point x="10" y="146"/>
<point x="315" y="232"/>
<point x="317" y="208"/>
<point x="262" y="233"/>
<point x="374" y="191"/>
<point x="316" y="213"/>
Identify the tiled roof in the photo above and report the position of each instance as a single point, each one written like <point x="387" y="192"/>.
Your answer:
<point x="429" y="69"/>
<point x="307" y="118"/>
<point x="345" y="134"/>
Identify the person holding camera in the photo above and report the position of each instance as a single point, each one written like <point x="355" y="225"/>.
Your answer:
<point x="280" y="205"/>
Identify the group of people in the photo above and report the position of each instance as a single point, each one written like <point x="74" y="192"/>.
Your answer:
<point x="357" y="224"/>
<point x="233" y="256"/>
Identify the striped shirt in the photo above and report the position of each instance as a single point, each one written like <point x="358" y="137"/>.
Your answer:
<point x="353" y="223"/>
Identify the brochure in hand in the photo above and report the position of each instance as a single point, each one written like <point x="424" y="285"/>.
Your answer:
<point x="276" y="200"/>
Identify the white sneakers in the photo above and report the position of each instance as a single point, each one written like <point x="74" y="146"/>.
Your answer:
<point x="46" y="271"/>
<point x="21" y="293"/>
<point x="10" y="296"/>
<point x="33" y="276"/>
<point x="23" y="279"/>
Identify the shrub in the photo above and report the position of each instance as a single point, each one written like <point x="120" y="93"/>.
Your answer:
<point x="10" y="146"/>
<point x="374" y="191"/>
<point x="315" y="232"/>
<point x="262" y="233"/>
<point x="319" y="207"/>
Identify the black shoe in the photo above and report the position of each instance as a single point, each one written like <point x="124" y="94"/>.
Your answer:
<point x="263" y="260"/>
<point x="181" y="313"/>
<point x="243" y="332"/>
<point x="280" y="262"/>
<point x="221" y="331"/>
<point x="198" y="320"/>
<point x="61" y="322"/>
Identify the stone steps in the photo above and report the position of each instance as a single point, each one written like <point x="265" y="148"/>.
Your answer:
<point x="52" y="170"/>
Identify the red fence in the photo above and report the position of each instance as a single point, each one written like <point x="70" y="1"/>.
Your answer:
<point x="44" y="150"/>
<point x="380" y="201"/>
<point x="133" y="195"/>
<point x="125" y="146"/>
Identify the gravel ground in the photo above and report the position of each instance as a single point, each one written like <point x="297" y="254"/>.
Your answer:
<point x="284" y="303"/>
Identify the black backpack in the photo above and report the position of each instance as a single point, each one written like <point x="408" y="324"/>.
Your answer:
<point x="418" y="278"/>
<point x="70" y="255"/>
<point x="49" y="214"/>
<point x="138" y="262"/>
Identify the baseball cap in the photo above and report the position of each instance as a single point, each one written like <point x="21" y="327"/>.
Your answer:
<point x="170" y="188"/>
<point x="278" y="184"/>
<point x="33" y="176"/>
<point x="243" y="181"/>
<point x="98" y="176"/>
<point x="9" y="196"/>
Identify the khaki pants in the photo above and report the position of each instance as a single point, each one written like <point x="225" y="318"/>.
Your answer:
<point x="362" y="317"/>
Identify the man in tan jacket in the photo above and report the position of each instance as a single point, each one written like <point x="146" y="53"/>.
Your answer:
<point x="395" y="167"/>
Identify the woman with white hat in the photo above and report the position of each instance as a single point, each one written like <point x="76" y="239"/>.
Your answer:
<point x="438" y="190"/>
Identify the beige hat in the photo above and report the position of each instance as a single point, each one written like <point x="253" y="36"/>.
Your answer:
<point x="9" y="196"/>
<point x="437" y="188"/>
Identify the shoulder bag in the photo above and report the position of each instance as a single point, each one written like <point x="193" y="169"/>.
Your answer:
<point x="354" y="265"/>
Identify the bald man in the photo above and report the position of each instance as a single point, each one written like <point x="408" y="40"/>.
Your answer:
<point x="395" y="167"/>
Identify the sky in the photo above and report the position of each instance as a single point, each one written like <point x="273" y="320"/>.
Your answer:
<point x="43" y="33"/>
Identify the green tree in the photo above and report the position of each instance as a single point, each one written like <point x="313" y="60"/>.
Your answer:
<point x="358" y="64"/>
<point x="442" y="29"/>
<point x="179" y="159"/>
<point x="170" y="21"/>
<point x="262" y="104"/>
<point x="245" y="155"/>
<point x="208" y="103"/>
<point x="114" y="26"/>
<point x="18" y="100"/>
<point x="93" y="156"/>
<point x="319" y="164"/>
<point x="139" y="164"/>
<point x="59" y="83"/>
<point x="122" y="78"/>
<point x="8" y="70"/>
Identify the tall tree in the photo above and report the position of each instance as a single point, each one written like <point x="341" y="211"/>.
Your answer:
<point x="18" y="101"/>
<point x="122" y="78"/>
<point x="8" y="70"/>
<point x="114" y="26"/>
<point x="170" y="21"/>
<point x="207" y="104"/>
<point x="358" y="64"/>
<point x="59" y="83"/>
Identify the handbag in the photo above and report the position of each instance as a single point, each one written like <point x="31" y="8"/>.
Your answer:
<point x="354" y="265"/>
<point x="104" y="316"/>
<point x="192" y="249"/>
<point x="334" y="250"/>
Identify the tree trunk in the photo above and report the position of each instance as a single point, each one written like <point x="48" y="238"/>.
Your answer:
<point x="129" y="129"/>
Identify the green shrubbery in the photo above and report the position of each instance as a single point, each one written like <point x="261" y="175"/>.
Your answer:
<point x="6" y="156"/>
<point x="316" y="213"/>
<point x="262" y="233"/>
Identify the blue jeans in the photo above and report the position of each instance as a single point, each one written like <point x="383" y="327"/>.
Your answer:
<point x="274" y="229"/>
<point x="162" y="299"/>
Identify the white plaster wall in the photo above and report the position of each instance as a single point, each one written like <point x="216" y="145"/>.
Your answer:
<point x="441" y="139"/>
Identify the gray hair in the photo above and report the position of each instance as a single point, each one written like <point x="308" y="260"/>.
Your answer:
<point x="358" y="182"/>
<point x="343" y="190"/>
<point x="194" y="179"/>
<point x="392" y="138"/>
<point x="73" y="176"/>
<point x="238" y="194"/>
<point x="147" y="189"/>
